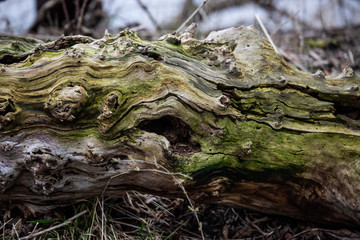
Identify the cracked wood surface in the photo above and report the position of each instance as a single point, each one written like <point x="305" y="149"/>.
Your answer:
<point x="80" y="117"/>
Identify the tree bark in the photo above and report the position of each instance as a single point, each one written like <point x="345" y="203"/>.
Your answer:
<point x="81" y="117"/>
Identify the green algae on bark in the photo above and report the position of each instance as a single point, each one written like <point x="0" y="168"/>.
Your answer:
<point x="81" y="117"/>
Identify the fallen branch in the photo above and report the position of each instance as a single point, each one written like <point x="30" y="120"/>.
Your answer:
<point x="247" y="128"/>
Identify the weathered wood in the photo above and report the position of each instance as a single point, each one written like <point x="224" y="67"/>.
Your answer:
<point x="80" y="117"/>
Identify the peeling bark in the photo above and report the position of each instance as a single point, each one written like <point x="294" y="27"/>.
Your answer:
<point x="80" y="117"/>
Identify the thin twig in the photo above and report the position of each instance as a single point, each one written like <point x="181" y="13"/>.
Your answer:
<point x="191" y="16"/>
<point x="285" y="13"/>
<point x="351" y="57"/>
<point x="14" y="229"/>
<point x="32" y="232"/>
<point x="165" y="171"/>
<point x="159" y="206"/>
<point x="291" y="60"/>
<point x="55" y="227"/>
<point x="6" y="223"/>
<point x="284" y="23"/>
<point x="77" y="7"/>
<point x="273" y="44"/>
<point x="42" y="12"/>
<point x="113" y="232"/>
<point x="193" y="209"/>
<point x="266" y="33"/>
<point x="103" y="218"/>
<point x="65" y="11"/>
<point x="259" y="229"/>
<point x="308" y="230"/>
<point x="162" y="172"/>
<point x="81" y="16"/>
<point x="146" y="10"/>
<point x="93" y="210"/>
<point x="125" y="223"/>
<point x="150" y="211"/>
<point x="322" y="17"/>
<point x="159" y="166"/>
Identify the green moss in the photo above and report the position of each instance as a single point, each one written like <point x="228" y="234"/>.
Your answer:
<point x="44" y="56"/>
<point x="327" y="43"/>
<point x="16" y="46"/>
<point x="271" y="153"/>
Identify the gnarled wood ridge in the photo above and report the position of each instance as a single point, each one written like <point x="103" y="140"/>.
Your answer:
<point x="80" y="117"/>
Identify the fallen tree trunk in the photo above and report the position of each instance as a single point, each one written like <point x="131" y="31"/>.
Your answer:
<point x="81" y="117"/>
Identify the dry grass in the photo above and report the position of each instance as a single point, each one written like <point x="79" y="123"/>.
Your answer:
<point x="143" y="216"/>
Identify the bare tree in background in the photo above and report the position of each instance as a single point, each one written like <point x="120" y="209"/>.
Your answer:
<point x="67" y="17"/>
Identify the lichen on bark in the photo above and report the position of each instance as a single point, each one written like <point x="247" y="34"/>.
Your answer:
<point x="79" y="117"/>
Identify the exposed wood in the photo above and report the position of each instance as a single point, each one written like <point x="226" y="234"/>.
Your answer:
<point x="81" y="117"/>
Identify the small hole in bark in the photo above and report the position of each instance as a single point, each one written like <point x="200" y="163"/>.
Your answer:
<point x="114" y="98"/>
<point x="348" y="110"/>
<point x="150" y="52"/>
<point x="6" y="106"/>
<point x="155" y="55"/>
<point x="116" y="105"/>
<point x="9" y="59"/>
<point x="177" y="132"/>
<point x="123" y="157"/>
<point x="355" y="115"/>
<point x="37" y="151"/>
<point x="52" y="162"/>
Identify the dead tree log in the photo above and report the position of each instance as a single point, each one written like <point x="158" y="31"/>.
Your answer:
<point x="80" y="117"/>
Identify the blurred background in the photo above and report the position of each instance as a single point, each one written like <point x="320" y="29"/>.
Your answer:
<point x="154" y="16"/>
<point x="311" y="34"/>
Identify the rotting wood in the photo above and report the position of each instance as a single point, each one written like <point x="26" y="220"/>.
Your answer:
<point x="80" y="115"/>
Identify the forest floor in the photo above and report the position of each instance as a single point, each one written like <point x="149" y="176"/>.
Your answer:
<point x="141" y="216"/>
<point x="326" y="50"/>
